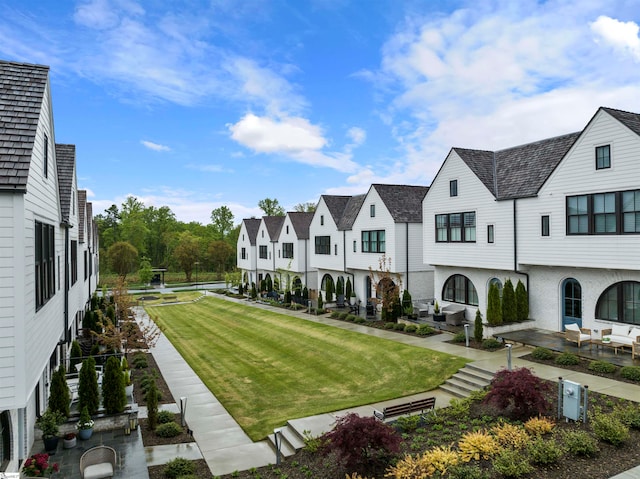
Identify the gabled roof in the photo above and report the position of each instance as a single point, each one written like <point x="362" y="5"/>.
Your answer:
<point x="301" y="221"/>
<point x="274" y="225"/>
<point x="404" y="202"/>
<point x="336" y="205"/>
<point x="65" y="162"/>
<point x="91" y="230"/>
<point x="22" y="88"/>
<point x="82" y="205"/>
<point x="351" y="212"/>
<point x="628" y="119"/>
<point x="252" y="225"/>
<point x="520" y="171"/>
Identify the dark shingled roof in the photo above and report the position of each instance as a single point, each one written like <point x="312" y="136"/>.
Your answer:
<point x="252" y="225"/>
<point x="91" y="226"/>
<point x="351" y="212"/>
<point x="22" y="88"/>
<point x="519" y="171"/>
<point x="274" y="225"/>
<point x="336" y="205"/>
<point x="65" y="162"/>
<point x="404" y="202"/>
<point x="630" y="120"/>
<point x="301" y="221"/>
<point x="82" y="205"/>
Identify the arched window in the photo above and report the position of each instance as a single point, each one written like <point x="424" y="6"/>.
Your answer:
<point x="498" y="283"/>
<point x="385" y="287"/>
<point x="620" y="302"/>
<point x="460" y="289"/>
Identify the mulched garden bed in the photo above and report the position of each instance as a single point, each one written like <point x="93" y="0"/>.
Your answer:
<point x="201" y="471"/>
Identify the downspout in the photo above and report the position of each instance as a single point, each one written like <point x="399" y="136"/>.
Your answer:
<point x="66" y="282"/>
<point x="407" y="256"/>
<point x="515" y="247"/>
<point x="344" y="263"/>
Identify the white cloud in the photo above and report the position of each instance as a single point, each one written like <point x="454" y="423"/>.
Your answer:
<point x="621" y="35"/>
<point x="210" y="168"/>
<point x="356" y="135"/>
<point x="155" y="146"/>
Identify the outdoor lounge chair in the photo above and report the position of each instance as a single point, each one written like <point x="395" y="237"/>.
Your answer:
<point x="98" y="462"/>
<point x="576" y="334"/>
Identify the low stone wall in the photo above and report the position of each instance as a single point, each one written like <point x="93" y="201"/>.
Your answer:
<point x="493" y="331"/>
<point x="102" y="422"/>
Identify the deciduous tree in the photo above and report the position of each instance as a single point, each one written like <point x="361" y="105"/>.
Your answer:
<point x="123" y="257"/>
<point x="187" y="253"/>
<point x="271" y="207"/>
<point x="222" y="221"/>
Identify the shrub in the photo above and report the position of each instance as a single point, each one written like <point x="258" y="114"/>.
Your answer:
<point x="567" y="359"/>
<point x="389" y="325"/>
<point x="179" y="467"/>
<point x="602" y="367"/>
<point x="477" y="445"/>
<point x="165" y="416"/>
<point x="509" y="312"/>
<point x="75" y="356"/>
<point x="59" y="397"/>
<point x="522" y="302"/>
<point x="140" y="361"/>
<point x="343" y="316"/>
<point x="147" y="381"/>
<point x="608" y="428"/>
<point x="312" y="443"/>
<point x="510" y="435"/>
<point x="494" y="308"/>
<point x="408" y="423"/>
<point x="398" y="326"/>
<point x="539" y="426"/>
<point x="629" y="415"/>
<point x="542" y="354"/>
<point x="465" y="471"/>
<point x="438" y="459"/>
<point x="519" y="394"/>
<point x="425" y="330"/>
<point x="542" y="451"/>
<point x="631" y="372"/>
<point x="459" y="337"/>
<point x="360" y="320"/>
<point x="478" y="333"/>
<point x="114" y="398"/>
<point x="512" y="463"/>
<point x="580" y="443"/>
<point x="491" y="344"/>
<point x="169" y="429"/>
<point x="410" y="328"/>
<point x="335" y="315"/>
<point x="362" y="443"/>
<point x="458" y="408"/>
<point x="320" y="303"/>
<point x="88" y="393"/>
<point x="351" y="317"/>
<point x="151" y="397"/>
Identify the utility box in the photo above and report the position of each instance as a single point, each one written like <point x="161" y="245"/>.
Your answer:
<point x="571" y="400"/>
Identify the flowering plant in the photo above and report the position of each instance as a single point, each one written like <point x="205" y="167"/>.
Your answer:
<point x="85" y="421"/>
<point x="38" y="466"/>
<point x="70" y="435"/>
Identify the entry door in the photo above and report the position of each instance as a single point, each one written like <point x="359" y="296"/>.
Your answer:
<point x="571" y="302"/>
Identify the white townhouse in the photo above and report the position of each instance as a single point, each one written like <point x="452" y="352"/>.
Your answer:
<point x="266" y="246"/>
<point x="328" y="242"/>
<point x="39" y="299"/>
<point x="559" y="214"/>
<point x="247" y="252"/>
<point x="388" y="223"/>
<point x="293" y="255"/>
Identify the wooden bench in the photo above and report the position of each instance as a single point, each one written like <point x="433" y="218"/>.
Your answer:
<point x="422" y="405"/>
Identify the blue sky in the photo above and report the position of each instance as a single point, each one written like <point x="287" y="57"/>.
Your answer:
<point x="194" y="104"/>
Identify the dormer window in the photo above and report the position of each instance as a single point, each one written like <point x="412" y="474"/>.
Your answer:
<point x="603" y="157"/>
<point x="453" y="188"/>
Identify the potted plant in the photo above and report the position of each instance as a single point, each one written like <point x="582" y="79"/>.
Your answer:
<point x="38" y="465"/>
<point x="436" y="312"/>
<point x="49" y="424"/>
<point x="69" y="440"/>
<point x="85" y="424"/>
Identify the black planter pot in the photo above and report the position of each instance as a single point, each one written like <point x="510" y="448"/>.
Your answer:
<point x="438" y="317"/>
<point x="50" y="444"/>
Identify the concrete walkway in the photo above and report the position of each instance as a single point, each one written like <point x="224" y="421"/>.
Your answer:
<point x="226" y="447"/>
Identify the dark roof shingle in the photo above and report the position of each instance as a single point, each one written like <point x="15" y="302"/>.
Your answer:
<point x="301" y="221"/>
<point x="404" y="202"/>
<point x="252" y="226"/>
<point x="350" y="212"/>
<point x="65" y="163"/>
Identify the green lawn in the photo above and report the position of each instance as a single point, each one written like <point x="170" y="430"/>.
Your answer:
<point x="267" y="367"/>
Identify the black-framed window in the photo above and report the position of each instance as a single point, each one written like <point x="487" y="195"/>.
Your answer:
<point x="287" y="250"/>
<point x="45" y="160"/>
<point x="453" y="188"/>
<point x="603" y="157"/>
<point x="262" y="252"/>
<point x="459" y="289"/>
<point x="544" y="225"/>
<point x="243" y="253"/>
<point x="44" y="263"/>
<point x="620" y="302"/>
<point x="86" y="265"/>
<point x="456" y="227"/>
<point x="490" y="234"/>
<point x="609" y="213"/>
<point x="74" y="262"/>
<point x="372" y="211"/>
<point x="321" y="220"/>
<point x="373" y="241"/>
<point x="323" y="244"/>
<point x="287" y="229"/>
<point x="355" y="246"/>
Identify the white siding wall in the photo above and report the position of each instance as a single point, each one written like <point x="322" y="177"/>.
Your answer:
<point x="248" y="264"/>
<point x="326" y="261"/>
<point x="472" y="196"/>
<point x="577" y="175"/>
<point x="263" y="239"/>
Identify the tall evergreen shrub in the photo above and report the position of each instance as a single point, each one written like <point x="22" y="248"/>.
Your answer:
<point x="522" y="302"/>
<point x="494" y="308"/>
<point x="407" y="304"/>
<point x="329" y="290"/>
<point x="509" y="312"/>
<point x="340" y="287"/>
<point x="348" y="289"/>
<point x="59" y="397"/>
<point x="478" y="333"/>
<point x="88" y="394"/>
<point x="152" y="405"/>
<point x="320" y="304"/>
<point x="114" y="397"/>
<point x="75" y="356"/>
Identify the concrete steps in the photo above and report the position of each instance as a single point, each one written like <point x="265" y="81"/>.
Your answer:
<point x="465" y="381"/>
<point x="292" y="440"/>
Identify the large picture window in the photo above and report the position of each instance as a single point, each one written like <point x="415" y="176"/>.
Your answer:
<point x="44" y="263"/>
<point x="620" y="302"/>
<point x="460" y="289"/>
<point x="604" y="213"/>
<point x="323" y="244"/>
<point x="373" y="241"/>
<point x="456" y="228"/>
<point x="262" y="252"/>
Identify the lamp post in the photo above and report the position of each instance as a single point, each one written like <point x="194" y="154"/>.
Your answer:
<point x="508" y="346"/>
<point x="183" y="410"/>
<point x="466" y="334"/>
